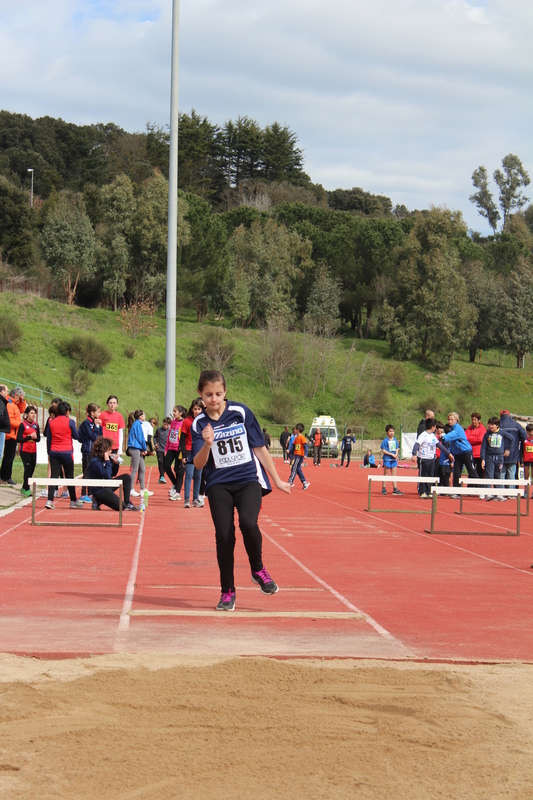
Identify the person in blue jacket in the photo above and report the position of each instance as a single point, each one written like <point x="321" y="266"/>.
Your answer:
<point x="461" y="450"/>
<point x="137" y="449"/>
<point x="511" y="461"/>
<point x="101" y="468"/>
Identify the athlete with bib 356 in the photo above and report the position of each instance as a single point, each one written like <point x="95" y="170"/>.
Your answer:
<point x="227" y="442"/>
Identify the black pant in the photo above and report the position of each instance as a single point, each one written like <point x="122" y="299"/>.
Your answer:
<point x="346" y="453"/>
<point x="477" y="465"/>
<point x="427" y="470"/>
<point x="161" y="463"/>
<point x="463" y="459"/>
<point x="10" y="451"/>
<point x="223" y="500"/>
<point x="29" y="460"/>
<point x="171" y="456"/>
<point x="107" y="497"/>
<point x="86" y="459"/>
<point x="60" y="461"/>
<point x="317" y="454"/>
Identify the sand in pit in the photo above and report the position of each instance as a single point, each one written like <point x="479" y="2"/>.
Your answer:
<point x="155" y="727"/>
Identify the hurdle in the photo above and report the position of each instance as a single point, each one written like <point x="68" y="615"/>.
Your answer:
<point x="445" y="490"/>
<point x="396" y="479"/>
<point x="482" y="483"/>
<point x="76" y="482"/>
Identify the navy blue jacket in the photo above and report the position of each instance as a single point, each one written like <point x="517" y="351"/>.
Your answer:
<point x="494" y="444"/>
<point x="519" y="437"/>
<point x="88" y="432"/>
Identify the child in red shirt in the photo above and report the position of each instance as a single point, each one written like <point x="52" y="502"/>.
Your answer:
<point x="528" y="455"/>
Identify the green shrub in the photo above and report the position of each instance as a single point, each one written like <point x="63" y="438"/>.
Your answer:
<point x="80" y="380"/>
<point x="129" y="351"/>
<point x="214" y="350"/>
<point x="10" y="334"/>
<point x="432" y="403"/>
<point x="88" y="352"/>
<point x="280" y="407"/>
<point x="160" y="363"/>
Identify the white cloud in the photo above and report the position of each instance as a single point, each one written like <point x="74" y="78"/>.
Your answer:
<point x="404" y="98"/>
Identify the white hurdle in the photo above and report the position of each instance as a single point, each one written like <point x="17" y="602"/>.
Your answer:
<point x="497" y="482"/>
<point x="396" y="479"/>
<point x="77" y="482"/>
<point x="471" y="492"/>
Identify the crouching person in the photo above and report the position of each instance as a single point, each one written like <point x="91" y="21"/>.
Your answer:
<point x="101" y="468"/>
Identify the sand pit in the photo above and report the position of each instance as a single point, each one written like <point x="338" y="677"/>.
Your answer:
<point x="152" y="727"/>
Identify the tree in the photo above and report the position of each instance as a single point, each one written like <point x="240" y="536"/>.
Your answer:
<point x="483" y="198"/>
<point x="426" y="312"/>
<point x="484" y="294"/>
<point x="68" y="243"/>
<point x="264" y="262"/>
<point x="114" y="251"/>
<point x="516" y="313"/>
<point x="510" y="180"/>
<point x="16" y="236"/>
<point x="320" y="323"/>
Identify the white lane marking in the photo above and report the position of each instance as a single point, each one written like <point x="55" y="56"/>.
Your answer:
<point x="430" y="538"/>
<point x="372" y="622"/>
<point x="124" y="621"/>
<point x="28" y="519"/>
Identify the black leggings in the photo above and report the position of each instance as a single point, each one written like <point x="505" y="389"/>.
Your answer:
<point x="463" y="459"/>
<point x="348" y="454"/>
<point x="223" y="500"/>
<point x="10" y="451"/>
<point x="171" y="456"/>
<point x="107" y="497"/>
<point x="65" y="462"/>
<point x="29" y="460"/>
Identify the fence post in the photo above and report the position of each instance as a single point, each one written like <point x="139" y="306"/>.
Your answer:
<point x="401" y="437"/>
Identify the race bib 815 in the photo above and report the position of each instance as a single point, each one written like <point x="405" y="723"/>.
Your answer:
<point x="231" y="448"/>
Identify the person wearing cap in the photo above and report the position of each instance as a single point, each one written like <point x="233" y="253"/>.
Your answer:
<point x="518" y="433"/>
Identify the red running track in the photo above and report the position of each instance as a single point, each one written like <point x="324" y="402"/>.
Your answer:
<point x="352" y="584"/>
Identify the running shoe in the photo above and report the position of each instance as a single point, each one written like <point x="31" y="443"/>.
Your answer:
<point x="424" y="496"/>
<point x="130" y="507"/>
<point x="86" y="499"/>
<point x="95" y="506"/>
<point x="44" y="492"/>
<point x="383" y="491"/>
<point x="161" y="480"/>
<point x="502" y="499"/>
<point x="76" y="504"/>
<point x="488" y="497"/>
<point x="306" y="485"/>
<point x="263" y="579"/>
<point x="397" y="492"/>
<point x="25" y="492"/>
<point x="134" y="493"/>
<point x="65" y="496"/>
<point x="481" y="496"/>
<point x="455" y="496"/>
<point x="186" y="504"/>
<point x="197" y="504"/>
<point x="49" y="504"/>
<point x="291" y="485"/>
<point x="174" y="496"/>
<point x="226" y="602"/>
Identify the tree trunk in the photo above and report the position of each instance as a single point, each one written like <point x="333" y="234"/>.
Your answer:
<point x="368" y="319"/>
<point x="359" y="325"/>
<point x="519" y="359"/>
<point x="472" y="353"/>
<point x="424" y="353"/>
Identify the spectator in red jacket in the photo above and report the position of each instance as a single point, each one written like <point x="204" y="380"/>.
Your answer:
<point x="475" y="433"/>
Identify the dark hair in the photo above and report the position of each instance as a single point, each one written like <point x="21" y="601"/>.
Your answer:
<point x="55" y="401"/>
<point x="62" y="409"/>
<point x="210" y="376"/>
<point x="494" y="421"/>
<point x="300" y="427"/>
<point x="529" y="428"/>
<point x="196" y="404"/>
<point x="439" y="425"/>
<point x="430" y="423"/>
<point x="138" y="414"/>
<point x="476" y="415"/>
<point x="349" y="430"/>
<point x="167" y="420"/>
<point x="30" y="408"/>
<point x="181" y="409"/>
<point x="92" y="407"/>
<point x="52" y="411"/>
<point x="101" y="446"/>
<point x="389" y="428"/>
<point x="131" y="420"/>
<point x="111" y="397"/>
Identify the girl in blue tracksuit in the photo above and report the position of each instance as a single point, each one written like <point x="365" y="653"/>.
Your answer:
<point x="89" y="431"/>
<point x="137" y="449"/>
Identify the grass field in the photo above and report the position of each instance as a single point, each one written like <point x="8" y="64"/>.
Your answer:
<point x="364" y="385"/>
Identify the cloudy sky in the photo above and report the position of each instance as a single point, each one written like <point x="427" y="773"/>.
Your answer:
<point x="400" y="97"/>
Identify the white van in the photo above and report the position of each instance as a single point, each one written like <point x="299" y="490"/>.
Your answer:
<point x="330" y="440"/>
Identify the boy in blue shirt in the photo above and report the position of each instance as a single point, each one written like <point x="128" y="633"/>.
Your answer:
<point x="389" y="458"/>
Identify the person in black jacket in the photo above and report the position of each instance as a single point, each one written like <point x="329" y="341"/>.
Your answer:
<point x="283" y="439"/>
<point x="511" y="461"/>
<point x="5" y="424"/>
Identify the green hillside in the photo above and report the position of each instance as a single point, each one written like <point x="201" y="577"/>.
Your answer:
<point x="364" y="386"/>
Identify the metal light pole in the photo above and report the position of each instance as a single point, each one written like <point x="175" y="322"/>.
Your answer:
<point x="172" y="252"/>
<point x="31" y="192"/>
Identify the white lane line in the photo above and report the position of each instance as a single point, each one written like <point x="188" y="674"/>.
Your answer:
<point x="430" y="538"/>
<point x="124" y="621"/>
<point x="28" y="519"/>
<point x="372" y="622"/>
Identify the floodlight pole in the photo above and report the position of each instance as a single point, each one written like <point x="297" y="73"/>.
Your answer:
<point x="172" y="249"/>
<point x="31" y="192"/>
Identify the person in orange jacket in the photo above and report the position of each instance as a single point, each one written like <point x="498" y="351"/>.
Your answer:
<point x="16" y="405"/>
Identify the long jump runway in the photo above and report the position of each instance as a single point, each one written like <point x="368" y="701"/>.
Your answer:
<point x="352" y="584"/>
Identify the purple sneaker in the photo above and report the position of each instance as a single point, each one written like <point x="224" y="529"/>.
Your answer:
<point x="268" y="586"/>
<point x="227" y="601"/>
